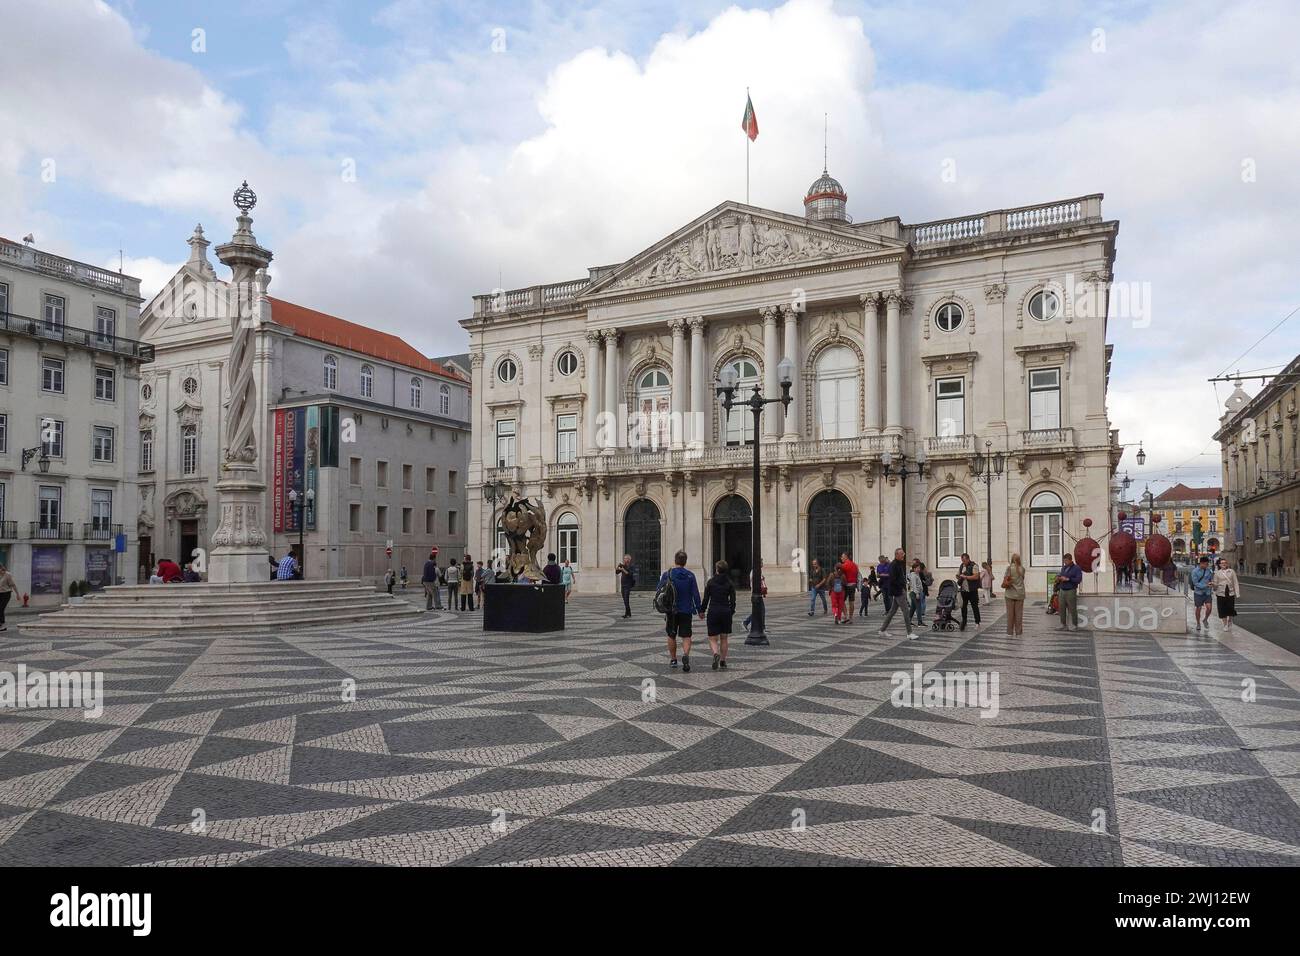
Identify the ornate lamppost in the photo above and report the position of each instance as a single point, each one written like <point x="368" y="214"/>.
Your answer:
<point x="727" y="390"/>
<point x="987" y="467"/>
<point x="494" y="492"/>
<point x="901" y="470"/>
<point x="43" y="462"/>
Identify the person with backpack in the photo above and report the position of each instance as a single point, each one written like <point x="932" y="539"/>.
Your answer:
<point x="626" y="575"/>
<point x="429" y="578"/>
<point x="816" y="587"/>
<point x="838" y="586"/>
<point x="678" y="599"/>
<point x="718" y="608"/>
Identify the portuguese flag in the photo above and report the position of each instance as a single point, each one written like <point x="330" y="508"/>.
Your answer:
<point x="750" y="122"/>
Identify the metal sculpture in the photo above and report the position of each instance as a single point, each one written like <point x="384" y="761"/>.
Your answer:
<point x="524" y="526"/>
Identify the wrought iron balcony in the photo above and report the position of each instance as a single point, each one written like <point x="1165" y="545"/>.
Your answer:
<point x="98" y="341"/>
<point x="8" y="530"/>
<point x="98" y="531"/>
<point x="51" y="531"/>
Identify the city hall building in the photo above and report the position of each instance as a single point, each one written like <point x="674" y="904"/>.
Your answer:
<point x="923" y="345"/>
<point x="363" y="441"/>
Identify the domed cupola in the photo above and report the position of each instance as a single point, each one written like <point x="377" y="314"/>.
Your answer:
<point x="826" y="200"/>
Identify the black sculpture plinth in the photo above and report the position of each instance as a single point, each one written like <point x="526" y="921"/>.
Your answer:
<point x="523" y="608"/>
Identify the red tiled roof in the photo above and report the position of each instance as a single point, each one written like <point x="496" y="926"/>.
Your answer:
<point x="330" y="329"/>
<point x="1180" y="492"/>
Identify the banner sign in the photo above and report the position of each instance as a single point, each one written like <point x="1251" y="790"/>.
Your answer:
<point x="277" y="473"/>
<point x="313" y="449"/>
<point x="47" y="570"/>
<point x="1136" y="527"/>
<point x="288" y="465"/>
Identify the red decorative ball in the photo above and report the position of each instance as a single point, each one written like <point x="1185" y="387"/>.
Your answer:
<point x="1158" y="550"/>
<point x="1122" y="547"/>
<point x="1085" y="552"/>
<point x="1123" y="515"/>
<point x="1087" y="522"/>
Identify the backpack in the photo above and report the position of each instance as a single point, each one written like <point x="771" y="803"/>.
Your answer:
<point x="666" y="595"/>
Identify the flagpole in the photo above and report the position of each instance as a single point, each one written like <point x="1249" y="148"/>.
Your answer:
<point x="747" y="142"/>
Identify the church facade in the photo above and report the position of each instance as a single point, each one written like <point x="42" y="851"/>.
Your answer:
<point x="923" y="358"/>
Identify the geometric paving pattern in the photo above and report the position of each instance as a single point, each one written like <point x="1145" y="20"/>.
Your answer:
<point x="462" y="748"/>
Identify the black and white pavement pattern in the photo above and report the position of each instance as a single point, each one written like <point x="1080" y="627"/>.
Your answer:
<point x="583" y="748"/>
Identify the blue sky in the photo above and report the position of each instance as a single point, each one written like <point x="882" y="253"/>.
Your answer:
<point x="532" y="140"/>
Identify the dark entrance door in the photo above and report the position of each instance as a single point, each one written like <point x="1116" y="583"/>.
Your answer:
<point x="189" y="541"/>
<point x="641" y="527"/>
<point x="830" y="527"/>
<point x="733" y="538"/>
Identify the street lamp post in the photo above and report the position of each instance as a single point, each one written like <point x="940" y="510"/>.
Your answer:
<point x="43" y="462"/>
<point x="727" y="390"/>
<point x="494" y="492"/>
<point x="300" y="504"/>
<point x="901" y="470"/>
<point x="988" y="468"/>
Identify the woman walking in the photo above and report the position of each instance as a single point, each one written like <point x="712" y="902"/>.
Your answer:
<point x="1226" y="589"/>
<point x="868" y="583"/>
<point x="566" y="578"/>
<point x="837" y="586"/>
<point x="927" y="582"/>
<point x="1013" y="592"/>
<point x="816" y="587"/>
<point x="718" y="607"/>
<point x="986" y="580"/>
<point x="7" y="589"/>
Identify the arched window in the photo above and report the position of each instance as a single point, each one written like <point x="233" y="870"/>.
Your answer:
<point x="950" y="532"/>
<point x="837" y="393"/>
<point x="567" y="362"/>
<point x="566" y="537"/>
<point x="444" y="400"/>
<point x="507" y="371"/>
<point x="650" y="426"/>
<point x="330" y="372"/>
<point x="367" y="381"/>
<point x="739" y="428"/>
<point x="416" y="387"/>
<point x="1046" y="518"/>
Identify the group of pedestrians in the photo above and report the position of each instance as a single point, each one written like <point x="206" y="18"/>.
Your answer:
<point x="1214" y="587"/>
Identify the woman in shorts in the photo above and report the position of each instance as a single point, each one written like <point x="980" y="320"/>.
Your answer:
<point x="717" y="608"/>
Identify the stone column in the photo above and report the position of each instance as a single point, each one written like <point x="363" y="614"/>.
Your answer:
<point x="699" y="394"/>
<point x="679" y="389"/>
<point x="771" y="356"/>
<point x="791" y="432"/>
<point x="893" y="364"/>
<point x="591" y="414"/>
<point x="871" y="360"/>
<point x="613" y="424"/>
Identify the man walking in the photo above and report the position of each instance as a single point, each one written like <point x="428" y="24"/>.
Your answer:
<point x="850" y="571"/>
<point x="1203" y="591"/>
<point x="896" y="589"/>
<point x="1067" y="593"/>
<point x="968" y="579"/>
<point x="626" y="582"/>
<point x="432" y="593"/>
<point x="882" y="581"/>
<point x="686" y="605"/>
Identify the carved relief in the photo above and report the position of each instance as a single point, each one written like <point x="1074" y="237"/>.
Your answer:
<point x="736" y="241"/>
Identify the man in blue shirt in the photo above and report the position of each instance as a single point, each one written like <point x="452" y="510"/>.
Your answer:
<point x="686" y="606"/>
<point x="1067" y="594"/>
<point x="1203" y="590"/>
<point x="288" y="567"/>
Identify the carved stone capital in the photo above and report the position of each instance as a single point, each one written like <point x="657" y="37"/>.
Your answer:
<point x="893" y="298"/>
<point x="476" y="359"/>
<point x="770" y="314"/>
<point x="697" y="324"/>
<point x="677" y="325"/>
<point x="535" y="351"/>
<point x="870" y="301"/>
<point x="593" y="336"/>
<point x="611" y="336"/>
<point x="995" y="292"/>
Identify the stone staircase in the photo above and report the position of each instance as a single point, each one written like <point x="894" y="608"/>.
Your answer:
<point x="198" y="608"/>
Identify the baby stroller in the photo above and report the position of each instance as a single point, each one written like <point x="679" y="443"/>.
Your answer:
<point x="943" y="620"/>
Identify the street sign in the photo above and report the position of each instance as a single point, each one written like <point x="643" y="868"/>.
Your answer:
<point x="388" y="551"/>
<point x="435" y="552"/>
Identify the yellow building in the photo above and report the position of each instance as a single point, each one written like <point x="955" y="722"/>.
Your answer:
<point x="1181" y="508"/>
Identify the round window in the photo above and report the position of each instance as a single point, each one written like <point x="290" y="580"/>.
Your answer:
<point x="1045" y="306"/>
<point x="190" y="386"/>
<point x="507" y="371"/>
<point x="567" y="363"/>
<point x="949" y="317"/>
<point x="146" y="392"/>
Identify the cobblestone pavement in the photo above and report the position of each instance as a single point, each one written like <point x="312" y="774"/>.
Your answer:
<point x="465" y="748"/>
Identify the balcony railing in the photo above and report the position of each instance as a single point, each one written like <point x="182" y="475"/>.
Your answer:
<point x="8" y="530"/>
<point x="1001" y="221"/>
<point x="69" y="269"/>
<point x="506" y="475"/>
<point x="1046" y="437"/>
<point x="949" y="444"/>
<point x="51" y="531"/>
<point x="38" y="328"/>
<point x="96" y="531"/>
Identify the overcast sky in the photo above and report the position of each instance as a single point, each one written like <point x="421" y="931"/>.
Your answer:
<point x="526" y="144"/>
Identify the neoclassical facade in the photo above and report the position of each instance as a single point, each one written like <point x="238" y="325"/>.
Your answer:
<point x="909" y="343"/>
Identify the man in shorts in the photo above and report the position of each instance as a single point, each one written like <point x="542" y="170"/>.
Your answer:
<point x="678" y="620"/>
<point x="851" y="575"/>
<point x="1203" y="589"/>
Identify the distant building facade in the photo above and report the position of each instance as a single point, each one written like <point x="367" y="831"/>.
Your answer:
<point x="1186" y="512"/>
<point x="375" y="431"/>
<point x="597" y="395"/>
<point x="1259" y="439"/>
<point x="69" y="375"/>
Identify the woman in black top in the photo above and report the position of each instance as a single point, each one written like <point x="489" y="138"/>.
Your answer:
<point x="719" y="605"/>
